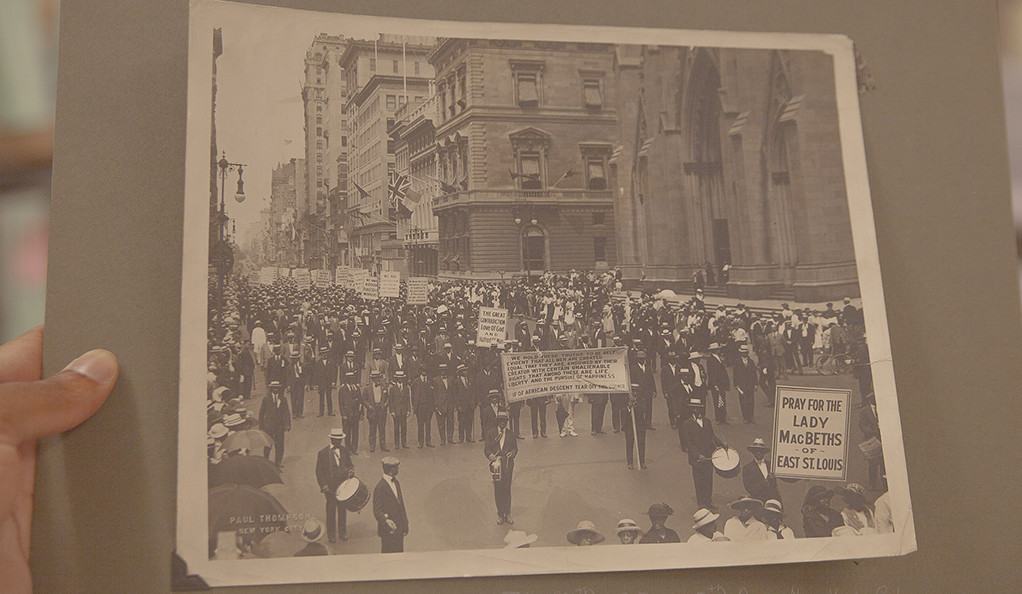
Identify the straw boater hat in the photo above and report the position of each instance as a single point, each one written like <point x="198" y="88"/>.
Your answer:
<point x="503" y="416"/>
<point x="217" y="431"/>
<point x="747" y="503"/>
<point x="494" y="393"/>
<point x="276" y="385"/>
<point x="233" y="420"/>
<point x="773" y="506"/>
<point x="758" y="444"/>
<point x="744" y="349"/>
<point x="695" y="355"/>
<point x="627" y="525"/>
<point x="312" y="531"/>
<point x="337" y="433"/>
<point x="715" y="346"/>
<point x="516" y="539"/>
<point x="702" y="517"/>
<point x="695" y="403"/>
<point x="585" y="528"/>
<point x="390" y="461"/>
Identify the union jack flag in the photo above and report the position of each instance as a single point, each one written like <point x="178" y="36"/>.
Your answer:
<point x="398" y="188"/>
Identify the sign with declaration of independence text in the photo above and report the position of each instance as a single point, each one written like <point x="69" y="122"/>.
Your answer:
<point x="418" y="290"/>
<point x="540" y="373"/>
<point x="267" y="275"/>
<point x="491" y="330"/>
<point x="322" y="279"/>
<point x="811" y="433"/>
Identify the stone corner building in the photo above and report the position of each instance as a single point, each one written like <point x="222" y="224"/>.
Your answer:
<point x="524" y="136"/>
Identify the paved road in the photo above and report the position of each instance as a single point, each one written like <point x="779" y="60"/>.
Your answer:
<point x="558" y="481"/>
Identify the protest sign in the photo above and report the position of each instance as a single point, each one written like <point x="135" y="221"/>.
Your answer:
<point x="322" y="279"/>
<point x="811" y="433"/>
<point x="540" y="373"/>
<point x="390" y="284"/>
<point x="370" y="288"/>
<point x="491" y="330"/>
<point x="418" y="290"/>
<point x="339" y="274"/>
<point x="303" y="278"/>
<point x="267" y="275"/>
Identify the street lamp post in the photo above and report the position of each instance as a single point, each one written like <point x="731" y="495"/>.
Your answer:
<point x="520" y="214"/>
<point x="223" y="255"/>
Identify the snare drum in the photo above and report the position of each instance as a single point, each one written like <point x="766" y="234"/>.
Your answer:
<point x="726" y="462"/>
<point x="353" y="494"/>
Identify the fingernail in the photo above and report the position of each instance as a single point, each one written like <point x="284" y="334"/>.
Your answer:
<point x="98" y="365"/>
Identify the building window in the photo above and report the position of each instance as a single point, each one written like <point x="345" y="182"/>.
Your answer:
<point x="592" y="94"/>
<point x="395" y="67"/>
<point x="527" y="89"/>
<point x="319" y="170"/>
<point x="344" y="141"/>
<point x="372" y="64"/>
<point x="600" y="249"/>
<point x="319" y="108"/>
<point x="319" y="157"/>
<point x="391" y="102"/>
<point x="319" y="143"/>
<point x="319" y="131"/>
<point x="596" y="174"/>
<point x="530" y="171"/>
<point x="319" y="119"/>
<point x="599" y="218"/>
<point x="416" y="68"/>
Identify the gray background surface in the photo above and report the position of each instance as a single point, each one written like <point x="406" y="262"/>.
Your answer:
<point x="937" y="157"/>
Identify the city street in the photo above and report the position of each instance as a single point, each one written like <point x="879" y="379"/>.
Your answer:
<point x="557" y="481"/>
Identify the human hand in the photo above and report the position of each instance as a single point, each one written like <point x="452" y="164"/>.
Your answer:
<point x="30" y="409"/>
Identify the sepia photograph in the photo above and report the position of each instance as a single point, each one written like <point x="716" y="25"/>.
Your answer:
<point x="486" y="299"/>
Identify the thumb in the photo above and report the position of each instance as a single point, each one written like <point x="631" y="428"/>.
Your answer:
<point x="29" y="410"/>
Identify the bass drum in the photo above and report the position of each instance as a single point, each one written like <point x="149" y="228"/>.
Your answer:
<point x="726" y="462"/>
<point x="353" y="494"/>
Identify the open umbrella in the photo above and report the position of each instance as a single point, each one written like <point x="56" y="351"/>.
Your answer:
<point x="253" y="440"/>
<point x="666" y="294"/>
<point x="254" y="471"/>
<point x="242" y="508"/>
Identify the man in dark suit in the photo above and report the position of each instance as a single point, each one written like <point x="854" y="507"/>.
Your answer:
<point x="503" y="446"/>
<point x="746" y="378"/>
<point x="423" y="405"/>
<point x="374" y="400"/>
<point x="389" y="509"/>
<point x="349" y="365"/>
<point x="333" y="467"/>
<point x="276" y="367"/>
<point x="323" y="377"/>
<point x="275" y="419"/>
<point x="718" y="381"/>
<point x="400" y="403"/>
<point x="444" y="400"/>
<point x="465" y="401"/>
<point x="642" y="374"/>
<point x="349" y="404"/>
<point x="634" y="423"/>
<point x="670" y="382"/>
<point x="760" y="483"/>
<point x="699" y="441"/>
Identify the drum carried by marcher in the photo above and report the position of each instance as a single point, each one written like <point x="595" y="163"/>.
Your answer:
<point x="726" y="462"/>
<point x="353" y="494"/>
